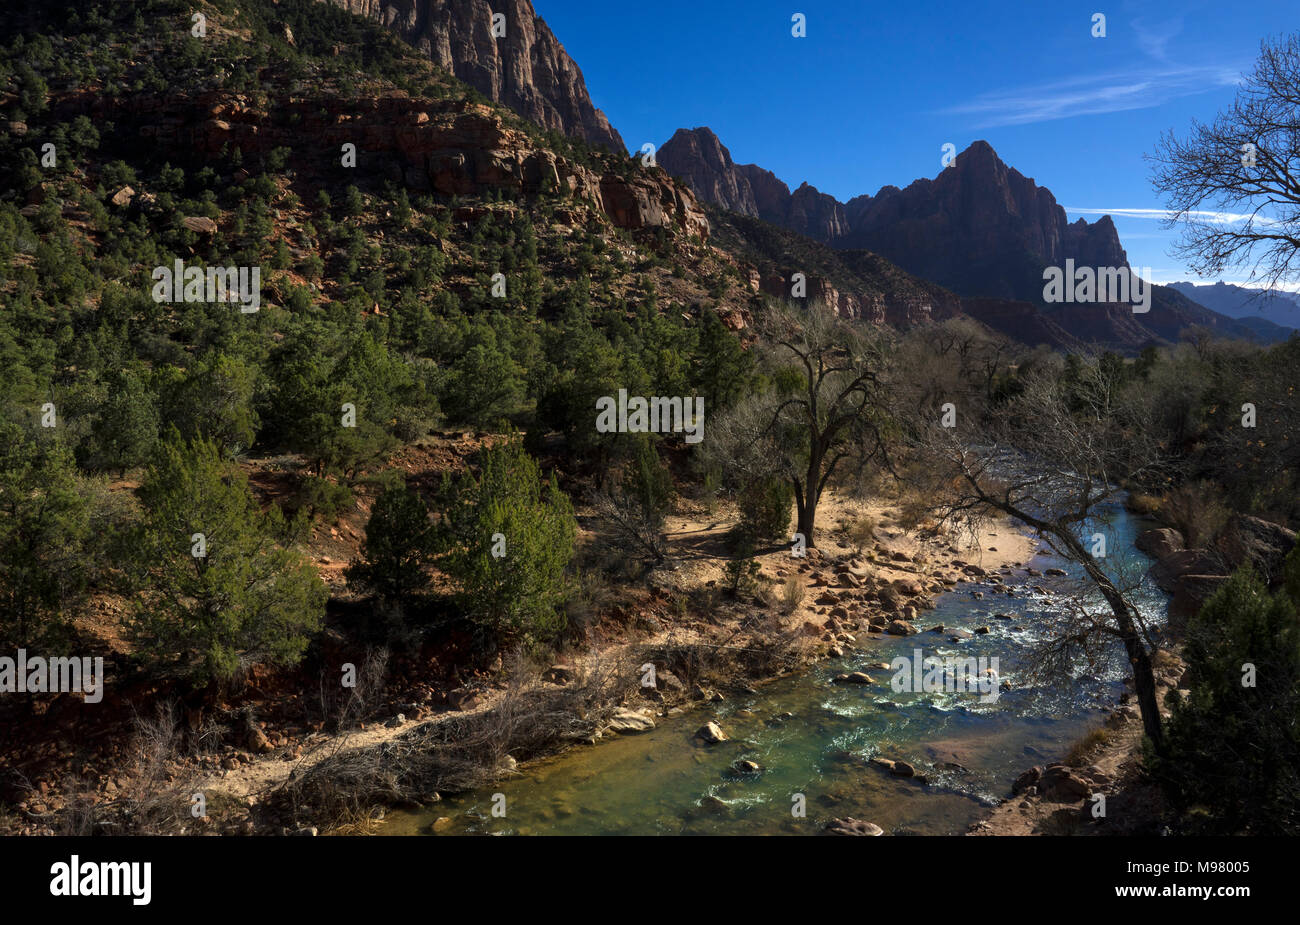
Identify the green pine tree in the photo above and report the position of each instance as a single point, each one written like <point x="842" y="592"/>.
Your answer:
<point x="399" y="545"/>
<point x="43" y="527"/>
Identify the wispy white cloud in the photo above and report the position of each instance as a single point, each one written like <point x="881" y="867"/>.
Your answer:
<point x="1210" y="218"/>
<point x="1117" y="91"/>
<point x="1153" y="38"/>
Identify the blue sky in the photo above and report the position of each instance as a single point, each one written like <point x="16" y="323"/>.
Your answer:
<point x="875" y="90"/>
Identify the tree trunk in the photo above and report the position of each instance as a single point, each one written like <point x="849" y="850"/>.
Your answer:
<point x="1144" y="679"/>
<point x="1144" y="682"/>
<point x="807" y="518"/>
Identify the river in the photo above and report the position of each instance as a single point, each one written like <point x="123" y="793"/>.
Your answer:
<point x="813" y="738"/>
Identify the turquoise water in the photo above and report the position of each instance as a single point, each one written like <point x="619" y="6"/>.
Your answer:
<point x="814" y="738"/>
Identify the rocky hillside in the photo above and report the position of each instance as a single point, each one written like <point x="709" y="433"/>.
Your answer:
<point x="858" y="284"/>
<point x="527" y="69"/>
<point x="452" y="147"/>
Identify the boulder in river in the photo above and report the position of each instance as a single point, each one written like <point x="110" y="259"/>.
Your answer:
<point x="900" y="628"/>
<point x="850" y="826"/>
<point x="711" y="733"/>
<point x="1027" y="780"/>
<point x="1060" y="784"/>
<point x="856" y="677"/>
<point x="1159" y="543"/>
<point x="630" y="722"/>
<point x="1169" y="571"/>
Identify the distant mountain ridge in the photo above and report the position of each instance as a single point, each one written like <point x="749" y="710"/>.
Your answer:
<point x="1246" y="305"/>
<point x="980" y="229"/>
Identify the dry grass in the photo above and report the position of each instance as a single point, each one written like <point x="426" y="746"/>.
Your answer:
<point x="157" y="798"/>
<point x="862" y="532"/>
<point x="1196" y="511"/>
<point x="456" y="753"/>
<point x="792" y="594"/>
<point x="1080" y="754"/>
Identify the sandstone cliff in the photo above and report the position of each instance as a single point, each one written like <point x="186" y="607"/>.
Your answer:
<point x="979" y="228"/>
<point x="447" y="146"/>
<point x="527" y="69"/>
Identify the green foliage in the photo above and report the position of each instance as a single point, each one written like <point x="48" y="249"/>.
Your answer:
<point x="647" y="484"/>
<point x="126" y="427"/>
<point x="740" y="575"/>
<point x="215" y="401"/>
<point x="43" y="526"/>
<point x="518" y="595"/>
<point x="1233" y="759"/>
<point x="765" y="507"/>
<point x="323" y="498"/>
<point x="400" y="543"/>
<point x="247" y="601"/>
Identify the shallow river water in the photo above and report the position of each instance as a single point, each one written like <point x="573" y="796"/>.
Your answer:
<point x="813" y="738"/>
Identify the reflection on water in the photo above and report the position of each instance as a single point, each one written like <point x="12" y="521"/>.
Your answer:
<point x="815" y="738"/>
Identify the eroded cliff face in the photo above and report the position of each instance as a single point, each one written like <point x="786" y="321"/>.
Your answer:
<point x="527" y="69"/>
<point x="980" y="228"/>
<point x="900" y="305"/>
<point x="450" y="147"/>
<point x="699" y="158"/>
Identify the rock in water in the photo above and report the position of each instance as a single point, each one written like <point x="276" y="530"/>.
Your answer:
<point x="850" y="826"/>
<point x="711" y="733"/>
<point x="630" y="722"/>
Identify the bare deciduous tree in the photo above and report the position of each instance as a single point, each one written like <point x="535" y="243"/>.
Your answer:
<point x="1246" y="162"/>
<point x="1053" y="458"/>
<point x="826" y="416"/>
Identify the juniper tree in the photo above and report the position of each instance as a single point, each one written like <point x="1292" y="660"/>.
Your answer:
<point x="1233" y="757"/>
<point x="43" y="524"/>
<point x="217" y="591"/>
<point x="506" y="537"/>
<point x="399" y="546"/>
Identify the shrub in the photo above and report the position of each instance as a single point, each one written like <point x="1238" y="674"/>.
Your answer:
<point x="507" y="537"/>
<point x="862" y="532"/>
<point x="399" y="545"/>
<point x="1232" y="760"/>
<point x="765" y="509"/>
<point x="212" y="607"/>
<point x="792" y="594"/>
<point x="323" y="498"/>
